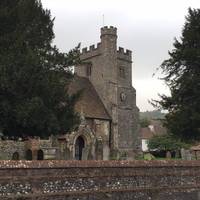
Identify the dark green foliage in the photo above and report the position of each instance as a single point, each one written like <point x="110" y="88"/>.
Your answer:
<point x="154" y="114"/>
<point x="34" y="75"/>
<point x="144" y="122"/>
<point x="165" y="143"/>
<point x="182" y="75"/>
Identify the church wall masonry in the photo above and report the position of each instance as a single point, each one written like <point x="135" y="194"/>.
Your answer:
<point x="99" y="180"/>
<point x="17" y="150"/>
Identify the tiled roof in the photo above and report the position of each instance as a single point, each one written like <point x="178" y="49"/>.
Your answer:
<point x="159" y="129"/>
<point x="90" y="104"/>
<point x="146" y="133"/>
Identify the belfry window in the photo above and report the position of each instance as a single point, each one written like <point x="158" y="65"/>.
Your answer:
<point x="89" y="70"/>
<point x="122" y="72"/>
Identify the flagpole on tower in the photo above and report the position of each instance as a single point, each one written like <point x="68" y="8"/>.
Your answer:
<point x="103" y="20"/>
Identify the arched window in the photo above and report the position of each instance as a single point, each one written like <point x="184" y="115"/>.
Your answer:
<point x="15" y="156"/>
<point x="40" y="155"/>
<point x="29" y="155"/>
<point x="79" y="145"/>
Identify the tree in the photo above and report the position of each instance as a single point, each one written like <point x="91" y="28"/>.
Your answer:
<point x="144" y="122"/>
<point x="165" y="143"/>
<point x="34" y="75"/>
<point x="182" y="75"/>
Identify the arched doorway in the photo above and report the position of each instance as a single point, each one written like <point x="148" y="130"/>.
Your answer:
<point x="79" y="145"/>
<point x="15" y="156"/>
<point x="40" y="155"/>
<point x="29" y="155"/>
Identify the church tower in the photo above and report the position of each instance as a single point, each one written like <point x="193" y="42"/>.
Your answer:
<point x="110" y="72"/>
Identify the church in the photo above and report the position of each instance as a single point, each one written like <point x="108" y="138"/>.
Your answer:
<point x="109" y="128"/>
<point x="107" y="106"/>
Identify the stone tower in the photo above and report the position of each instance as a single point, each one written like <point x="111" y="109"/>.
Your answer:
<point x="110" y="71"/>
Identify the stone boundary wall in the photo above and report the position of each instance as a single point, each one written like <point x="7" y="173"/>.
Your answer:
<point x="99" y="180"/>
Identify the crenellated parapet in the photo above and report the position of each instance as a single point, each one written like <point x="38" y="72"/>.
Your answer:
<point x="108" y="31"/>
<point x="124" y="55"/>
<point x="107" y="42"/>
<point x="93" y="50"/>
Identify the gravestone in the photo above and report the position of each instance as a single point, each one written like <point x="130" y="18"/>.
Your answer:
<point x="177" y="154"/>
<point x="185" y="154"/>
<point x="188" y="155"/>
<point x="197" y="155"/>
<point x="168" y="155"/>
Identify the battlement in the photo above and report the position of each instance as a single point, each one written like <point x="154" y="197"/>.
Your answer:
<point x="108" y="31"/>
<point x="93" y="50"/>
<point x="96" y="50"/>
<point x="124" y="55"/>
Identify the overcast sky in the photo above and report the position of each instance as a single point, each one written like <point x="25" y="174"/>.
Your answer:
<point x="147" y="27"/>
